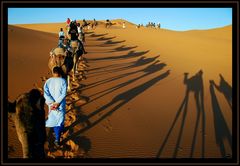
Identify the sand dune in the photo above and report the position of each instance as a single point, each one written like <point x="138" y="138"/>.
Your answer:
<point x="134" y="101"/>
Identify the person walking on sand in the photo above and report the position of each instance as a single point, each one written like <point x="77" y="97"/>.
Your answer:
<point x="55" y="90"/>
<point x="123" y="25"/>
<point x="61" y="36"/>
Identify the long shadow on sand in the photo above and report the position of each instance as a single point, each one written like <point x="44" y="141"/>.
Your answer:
<point x="118" y="49"/>
<point x="151" y="69"/>
<point x="131" y="54"/>
<point x="115" y="65"/>
<point x="225" y="88"/>
<point x="195" y="85"/>
<point x="221" y="129"/>
<point x="105" y="38"/>
<point x="111" y="42"/>
<point x="98" y="35"/>
<point x="123" y="48"/>
<point x="120" y="100"/>
<point x="123" y="67"/>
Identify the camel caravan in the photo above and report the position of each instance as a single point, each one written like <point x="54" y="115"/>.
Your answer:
<point x="28" y="108"/>
<point x="69" y="53"/>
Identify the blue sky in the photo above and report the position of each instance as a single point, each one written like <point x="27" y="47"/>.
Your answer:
<point x="179" y="19"/>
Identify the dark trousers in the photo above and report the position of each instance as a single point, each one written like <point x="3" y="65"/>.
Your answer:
<point x="58" y="130"/>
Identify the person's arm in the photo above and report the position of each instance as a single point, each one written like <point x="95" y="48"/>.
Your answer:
<point x="47" y="95"/>
<point x="63" y="93"/>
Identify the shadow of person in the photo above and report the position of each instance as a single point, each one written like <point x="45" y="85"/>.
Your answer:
<point x="195" y="85"/>
<point x="224" y="88"/>
<point x="221" y="129"/>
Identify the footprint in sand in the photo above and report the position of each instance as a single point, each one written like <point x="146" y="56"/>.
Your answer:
<point x="50" y="155"/>
<point x="73" y="145"/>
<point x="107" y="126"/>
<point x="75" y="96"/>
<point x="75" y="84"/>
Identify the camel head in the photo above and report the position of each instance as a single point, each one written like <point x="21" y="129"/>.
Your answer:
<point x="30" y="122"/>
<point x="57" y="57"/>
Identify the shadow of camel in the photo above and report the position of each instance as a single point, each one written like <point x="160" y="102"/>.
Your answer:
<point x="113" y="42"/>
<point x="225" y="89"/>
<point x="140" y="62"/>
<point x="123" y="48"/>
<point x="120" y="100"/>
<point x="105" y="38"/>
<point x="221" y="129"/>
<point x="131" y="54"/>
<point x="99" y="35"/>
<point x="195" y="85"/>
<point x="148" y="71"/>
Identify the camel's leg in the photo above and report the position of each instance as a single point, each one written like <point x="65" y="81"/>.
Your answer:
<point x="74" y="65"/>
<point x="69" y="84"/>
<point x="23" y="137"/>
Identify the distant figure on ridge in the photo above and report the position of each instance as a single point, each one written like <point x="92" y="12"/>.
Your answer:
<point x="94" y="24"/>
<point x="107" y="23"/>
<point x="123" y="25"/>
<point x="85" y="24"/>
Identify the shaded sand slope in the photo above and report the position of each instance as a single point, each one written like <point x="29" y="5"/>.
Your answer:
<point x="28" y="53"/>
<point x="138" y="105"/>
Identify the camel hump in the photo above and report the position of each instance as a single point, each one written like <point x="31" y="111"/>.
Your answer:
<point x="59" y="51"/>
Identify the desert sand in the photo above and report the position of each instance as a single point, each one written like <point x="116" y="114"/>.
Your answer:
<point x="133" y="102"/>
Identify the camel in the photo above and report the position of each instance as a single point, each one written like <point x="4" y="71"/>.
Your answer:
<point x="85" y="24"/>
<point x="77" y="53"/>
<point x="94" y="24"/>
<point x="64" y="59"/>
<point x="29" y="119"/>
<point x="108" y="24"/>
